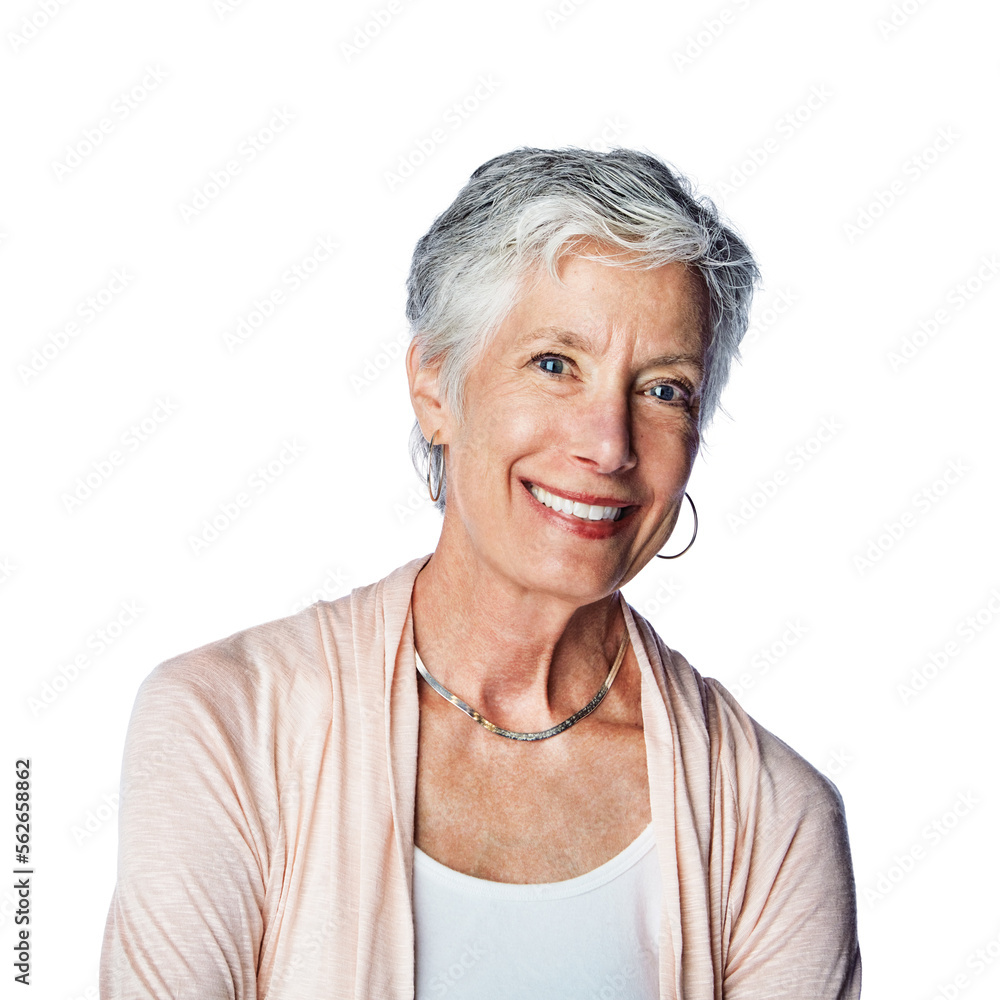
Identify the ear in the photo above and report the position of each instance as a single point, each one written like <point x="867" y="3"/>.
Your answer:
<point x="429" y="404"/>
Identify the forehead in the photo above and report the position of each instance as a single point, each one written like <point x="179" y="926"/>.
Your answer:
<point x="595" y="303"/>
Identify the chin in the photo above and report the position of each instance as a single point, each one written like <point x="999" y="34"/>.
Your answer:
<point x="569" y="577"/>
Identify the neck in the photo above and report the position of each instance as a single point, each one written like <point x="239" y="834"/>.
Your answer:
<point x="525" y="659"/>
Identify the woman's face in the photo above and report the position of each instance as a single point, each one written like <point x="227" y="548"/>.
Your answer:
<point x="590" y="391"/>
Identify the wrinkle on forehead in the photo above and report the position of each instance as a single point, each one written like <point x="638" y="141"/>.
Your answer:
<point x="678" y="308"/>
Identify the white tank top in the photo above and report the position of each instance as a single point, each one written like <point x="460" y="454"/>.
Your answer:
<point x="593" y="937"/>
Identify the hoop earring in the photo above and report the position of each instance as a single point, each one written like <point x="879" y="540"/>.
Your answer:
<point x="693" y="537"/>
<point x="434" y="496"/>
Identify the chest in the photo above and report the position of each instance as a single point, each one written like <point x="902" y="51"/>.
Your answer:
<point x="525" y="812"/>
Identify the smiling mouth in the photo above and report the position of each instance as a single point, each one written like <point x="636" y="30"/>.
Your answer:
<point x="582" y="511"/>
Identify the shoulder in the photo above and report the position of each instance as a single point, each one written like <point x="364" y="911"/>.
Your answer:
<point x="768" y="832"/>
<point x="254" y="665"/>
<point x="791" y="874"/>
<point x="783" y="820"/>
<point x="253" y="696"/>
<point x="766" y="778"/>
<point x="772" y="783"/>
<point x="285" y="677"/>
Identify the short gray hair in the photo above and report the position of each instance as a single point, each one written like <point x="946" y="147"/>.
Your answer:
<point x="524" y="210"/>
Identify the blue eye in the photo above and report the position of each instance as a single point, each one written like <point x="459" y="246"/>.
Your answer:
<point x="666" y="392"/>
<point x="550" y="359"/>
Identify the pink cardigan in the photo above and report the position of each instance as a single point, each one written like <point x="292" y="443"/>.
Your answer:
<point x="266" y="824"/>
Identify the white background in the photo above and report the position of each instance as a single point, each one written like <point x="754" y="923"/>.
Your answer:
<point x="802" y="120"/>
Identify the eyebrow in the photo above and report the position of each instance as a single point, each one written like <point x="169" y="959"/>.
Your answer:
<point x="579" y="343"/>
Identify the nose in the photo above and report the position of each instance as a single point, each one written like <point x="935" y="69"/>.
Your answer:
<point x="601" y="436"/>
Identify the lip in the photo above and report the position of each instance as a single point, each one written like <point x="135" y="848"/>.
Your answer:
<point x="587" y="498"/>
<point x="576" y="525"/>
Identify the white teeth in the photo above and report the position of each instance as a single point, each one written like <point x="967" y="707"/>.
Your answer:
<point x="584" y="511"/>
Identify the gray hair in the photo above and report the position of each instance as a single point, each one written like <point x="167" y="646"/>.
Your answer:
<point x="523" y="211"/>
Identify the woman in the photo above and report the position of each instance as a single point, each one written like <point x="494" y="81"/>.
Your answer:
<point x="486" y="775"/>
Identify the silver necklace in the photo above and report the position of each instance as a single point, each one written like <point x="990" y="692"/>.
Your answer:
<point x="510" y="734"/>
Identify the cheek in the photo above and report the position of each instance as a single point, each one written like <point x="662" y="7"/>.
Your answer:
<point x="502" y="428"/>
<point x="669" y="452"/>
